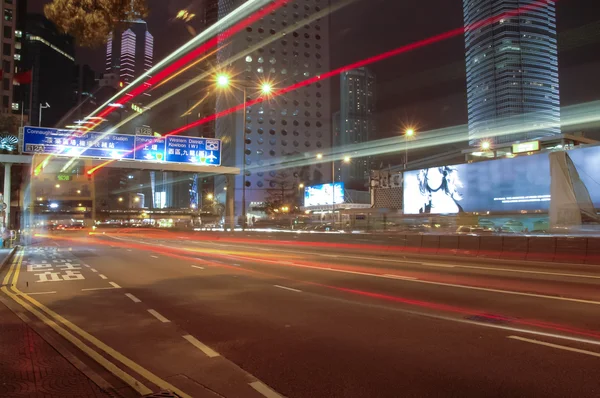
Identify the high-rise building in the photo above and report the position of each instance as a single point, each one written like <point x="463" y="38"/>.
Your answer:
<point x="130" y="53"/>
<point x="357" y="123"/>
<point x="9" y="53"/>
<point x="50" y="56"/>
<point x="512" y="70"/>
<point x="296" y="123"/>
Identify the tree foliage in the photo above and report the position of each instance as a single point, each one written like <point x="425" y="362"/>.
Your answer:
<point x="90" y="22"/>
<point x="9" y="124"/>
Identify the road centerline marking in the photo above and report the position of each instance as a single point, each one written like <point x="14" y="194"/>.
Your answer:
<point x="133" y="298"/>
<point x="158" y="316"/>
<point x="197" y="266"/>
<point x="398" y="276"/>
<point x="153" y="256"/>
<point x="90" y="289"/>
<point x="557" y="346"/>
<point x="102" y="276"/>
<point x="114" y="285"/>
<point x="201" y="346"/>
<point x="33" y="293"/>
<point x="288" y="288"/>
<point x="263" y="389"/>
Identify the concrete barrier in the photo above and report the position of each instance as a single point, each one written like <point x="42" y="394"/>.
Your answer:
<point x="490" y="246"/>
<point x="514" y="248"/>
<point x="468" y="245"/>
<point x="571" y="250"/>
<point x="430" y="244"/>
<point x="541" y="248"/>
<point x="448" y="245"/>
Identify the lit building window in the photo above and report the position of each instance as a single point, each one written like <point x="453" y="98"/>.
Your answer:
<point x="15" y="106"/>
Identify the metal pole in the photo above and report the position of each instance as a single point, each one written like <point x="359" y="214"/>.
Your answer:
<point x="40" y="116"/>
<point x="244" y="165"/>
<point x="333" y="192"/>
<point x="405" y="151"/>
<point x="7" y="199"/>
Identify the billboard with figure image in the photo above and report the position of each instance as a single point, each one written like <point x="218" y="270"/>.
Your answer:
<point x="325" y="194"/>
<point x="522" y="183"/>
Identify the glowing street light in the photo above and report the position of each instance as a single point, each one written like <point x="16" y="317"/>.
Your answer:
<point x="79" y="191"/>
<point x="136" y="199"/>
<point x="266" y="88"/>
<point x="223" y="81"/>
<point x="347" y="159"/>
<point x="408" y="133"/>
<point x="485" y="145"/>
<point x="209" y="196"/>
<point x="301" y="185"/>
<point x="120" y="199"/>
<point x="319" y="156"/>
<point x="57" y="185"/>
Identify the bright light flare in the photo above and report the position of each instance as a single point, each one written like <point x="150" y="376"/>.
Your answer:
<point x="222" y="81"/>
<point x="409" y="132"/>
<point x="485" y="145"/>
<point x="347" y="159"/>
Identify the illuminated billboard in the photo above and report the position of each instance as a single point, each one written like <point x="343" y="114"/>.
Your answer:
<point x="503" y="185"/>
<point x="325" y="194"/>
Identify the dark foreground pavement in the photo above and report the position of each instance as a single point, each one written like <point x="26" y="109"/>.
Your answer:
<point x="204" y="316"/>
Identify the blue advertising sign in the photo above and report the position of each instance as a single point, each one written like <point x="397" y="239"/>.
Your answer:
<point x="71" y="143"/>
<point x="149" y="148"/>
<point x="200" y="151"/>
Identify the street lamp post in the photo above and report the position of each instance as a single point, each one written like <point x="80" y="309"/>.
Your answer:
<point x="407" y="134"/>
<point x="42" y="106"/>
<point x="224" y="81"/>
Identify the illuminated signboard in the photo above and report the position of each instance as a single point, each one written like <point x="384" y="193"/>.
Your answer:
<point x="149" y="148"/>
<point x="324" y="194"/>
<point x="201" y="151"/>
<point x="503" y="185"/>
<point x="70" y="143"/>
<point x="63" y="177"/>
<point x="526" y="147"/>
<point x="177" y="149"/>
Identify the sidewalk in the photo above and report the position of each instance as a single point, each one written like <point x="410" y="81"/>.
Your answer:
<point x="30" y="367"/>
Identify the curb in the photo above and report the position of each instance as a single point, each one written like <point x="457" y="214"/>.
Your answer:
<point x="55" y="342"/>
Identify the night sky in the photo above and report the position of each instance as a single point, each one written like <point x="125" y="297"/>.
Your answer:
<point x="426" y="87"/>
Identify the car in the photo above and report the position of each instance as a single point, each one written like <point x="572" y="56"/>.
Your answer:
<point x="473" y="230"/>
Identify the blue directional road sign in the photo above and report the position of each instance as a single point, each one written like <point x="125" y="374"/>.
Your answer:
<point x="72" y="143"/>
<point x="149" y="148"/>
<point x="200" y="151"/>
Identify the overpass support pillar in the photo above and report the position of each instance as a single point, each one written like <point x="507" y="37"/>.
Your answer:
<point x="229" y="203"/>
<point x="7" y="199"/>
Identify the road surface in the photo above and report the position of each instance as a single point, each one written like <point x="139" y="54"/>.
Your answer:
<point x="207" y="314"/>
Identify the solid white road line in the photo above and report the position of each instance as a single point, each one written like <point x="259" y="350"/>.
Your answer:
<point x="201" y="346"/>
<point x="197" y="266"/>
<point x="32" y="293"/>
<point x="102" y="276"/>
<point x="398" y="276"/>
<point x="264" y="389"/>
<point x="154" y="256"/>
<point x="114" y="285"/>
<point x="560" y="347"/>
<point x="529" y="272"/>
<point x="133" y="298"/>
<point x="288" y="288"/>
<point x="158" y="316"/>
<point x="96" y="288"/>
<point x="439" y="265"/>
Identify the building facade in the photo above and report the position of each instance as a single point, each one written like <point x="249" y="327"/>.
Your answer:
<point x="9" y="53"/>
<point x="50" y="56"/>
<point x="512" y="71"/>
<point x="293" y="124"/>
<point x="130" y="53"/>
<point x="357" y="122"/>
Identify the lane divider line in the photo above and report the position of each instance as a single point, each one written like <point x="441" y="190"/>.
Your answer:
<point x="263" y="389"/>
<point x="93" y="270"/>
<point x="201" y="346"/>
<point x="197" y="266"/>
<point x="102" y="276"/>
<point x="96" y="288"/>
<point x="158" y="316"/>
<point x="399" y="276"/>
<point x="153" y="256"/>
<point x="288" y="288"/>
<point x="33" y="293"/>
<point x="112" y="368"/>
<point x="114" y="285"/>
<point x="557" y="346"/>
<point x="133" y="298"/>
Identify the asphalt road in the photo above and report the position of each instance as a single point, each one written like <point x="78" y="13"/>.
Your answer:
<point x="215" y="315"/>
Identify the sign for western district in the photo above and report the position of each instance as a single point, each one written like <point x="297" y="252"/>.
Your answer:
<point x="176" y="149"/>
<point x="201" y="151"/>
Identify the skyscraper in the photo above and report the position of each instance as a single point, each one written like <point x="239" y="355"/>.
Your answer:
<point x="512" y="70"/>
<point x="357" y="124"/>
<point x="296" y="123"/>
<point x="10" y="56"/>
<point x="130" y="53"/>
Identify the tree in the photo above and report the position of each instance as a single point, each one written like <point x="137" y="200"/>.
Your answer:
<point x="91" y="22"/>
